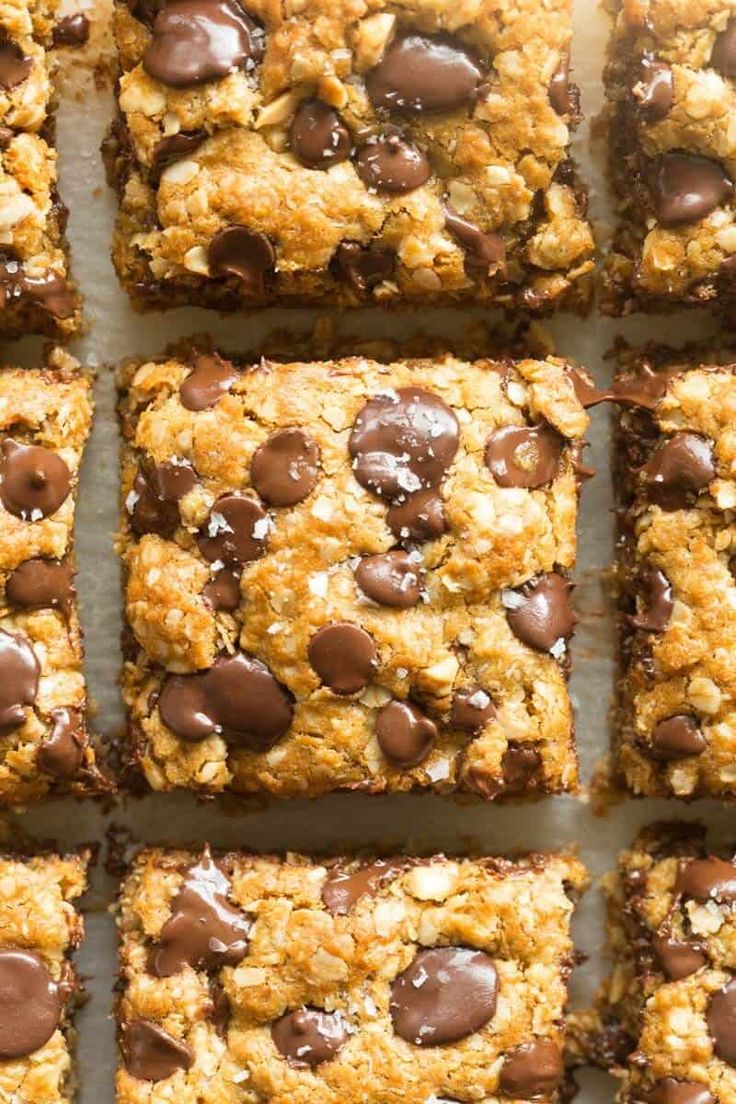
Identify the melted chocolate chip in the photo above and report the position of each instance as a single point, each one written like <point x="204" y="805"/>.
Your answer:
<point x="343" y="888"/>
<point x="210" y="379"/>
<point x="30" y="1004"/>
<point x="174" y="147"/>
<point x="204" y="930"/>
<point x="402" y="442"/>
<point x="586" y="392"/>
<point x="709" y="879"/>
<point x="484" y="249"/>
<point x="317" y="135"/>
<point x="560" y="93"/>
<point x="670" y="1091"/>
<point x="51" y="292"/>
<point x="15" y="67"/>
<point x="419" y="74"/>
<point x="309" y="1037"/>
<point x="679" y="470"/>
<point x="223" y="590"/>
<point x="60" y="754"/>
<point x="677" y="958"/>
<point x="532" y="1071"/>
<point x="344" y="656"/>
<point x="72" y="30"/>
<point x="391" y="163"/>
<point x="519" y="763"/>
<point x="723" y="57"/>
<point x="677" y="738"/>
<point x="237" y="698"/>
<point x="405" y="735"/>
<point x="721" y="1019"/>
<point x="246" y="254"/>
<point x="539" y="612"/>
<point x="391" y="579"/>
<point x="657" y="90"/>
<point x="446" y="994"/>
<point x="363" y="266"/>
<point x="687" y="187"/>
<point x="41" y="584"/>
<point x="658" y="600"/>
<point x="151" y="1054"/>
<point x="420" y="518"/>
<point x="19" y="674"/>
<point x="34" y="481"/>
<point x="157" y="489"/>
<point x="196" y="41"/>
<point x="472" y="708"/>
<point x="644" y="388"/>
<point x="524" y="456"/>
<point x="237" y="530"/>
<point x="285" y="468"/>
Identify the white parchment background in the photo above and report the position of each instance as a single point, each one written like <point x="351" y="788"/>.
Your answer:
<point x="331" y="823"/>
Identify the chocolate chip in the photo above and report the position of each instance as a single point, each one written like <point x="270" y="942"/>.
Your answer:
<point x="223" y="590"/>
<point x="237" y="530"/>
<point x="405" y="735"/>
<point x="402" y="442"/>
<point x="15" y="67"/>
<point x="363" y="266"/>
<point x="723" y="57"/>
<point x="519" y="763"/>
<point x="524" y="456"/>
<point x="41" y="584"/>
<point x="344" y="887"/>
<point x="317" y="135"/>
<point x="308" y="1037"/>
<point x="151" y="1054"/>
<point x="34" y="481"/>
<point x="656" y="93"/>
<point x="658" y="600"/>
<point x="237" y="698"/>
<point x="19" y="675"/>
<point x="560" y="93"/>
<point x="51" y="291"/>
<point x="389" y="162"/>
<point x="446" y="994"/>
<point x="539" y="612"/>
<point x="419" y="74"/>
<point x="145" y="10"/>
<point x="204" y="929"/>
<point x="196" y="41"/>
<point x="677" y="738"/>
<point x="210" y="378"/>
<point x="157" y="490"/>
<point x="532" y="1071"/>
<point x="60" y="754"/>
<point x="645" y="388"/>
<point x="30" y="1004"/>
<point x="420" y="518"/>
<point x="344" y="656"/>
<point x="285" y="468"/>
<point x="670" y="1091"/>
<point x="705" y="880"/>
<point x="721" y="1019"/>
<point x="246" y="254"/>
<point x="687" y="187"/>
<point x="677" y="958"/>
<point x="72" y="30"/>
<point x="472" y="708"/>
<point x="484" y="249"/>
<point x="679" y="470"/>
<point x="174" y="147"/>
<point x="391" y="579"/>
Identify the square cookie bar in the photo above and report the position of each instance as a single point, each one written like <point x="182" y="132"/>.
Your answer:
<point x="39" y="988"/>
<point x="405" y="979"/>
<point x="350" y="574"/>
<point x="676" y="480"/>
<point x="36" y="295"/>
<point x="45" y="418"/>
<point x="671" y="86"/>
<point x="672" y="998"/>
<point x="342" y="152"/>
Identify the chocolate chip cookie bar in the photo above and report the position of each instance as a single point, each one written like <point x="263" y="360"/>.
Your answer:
<point x="45" y="418"/>
<point x="675" y="474"/>
<point x="347" y="153"/>
<point x="350" y="574"/>
<point x="671" y="83"/>
<point x="39" y="989"/>
<point x="672" y="998"/>
<point x="388" y="979"/>
<point x="36" y="295"/>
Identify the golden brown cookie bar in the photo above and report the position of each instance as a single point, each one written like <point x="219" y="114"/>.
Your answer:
<point x="350" y="575"/>
<point x="670" y="1005"/>
<point x="35" y="293"/>
<point x="45" y="418"/>
<point x="676" y="480"/>
<point x="671" y="83"/>
<point x="342" y="152"/>
<point x="393" y="979"/>
<point x="39" y="989"/>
